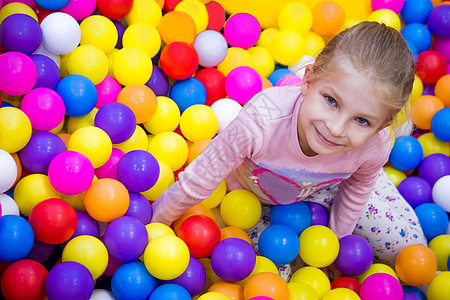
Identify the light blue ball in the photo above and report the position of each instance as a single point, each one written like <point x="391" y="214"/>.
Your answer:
<point x="279" y="243"/>
<point x="295" y="215"/>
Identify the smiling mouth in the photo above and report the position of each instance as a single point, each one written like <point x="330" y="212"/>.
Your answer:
<point x="325" y="140"/>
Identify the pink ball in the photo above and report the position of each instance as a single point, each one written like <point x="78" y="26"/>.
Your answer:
<point x="242" y="83"/>
<point x="289" y="80"/>
<point x="79" y="9"/>
<point x="30" y="3"/>
<point x="381" y="286"/>
<point x="44" y="107"/>
<point x="109" y="169"/>
<point x="18" y="74"/>
<point x="107" y="91"/>
<point x="394" y="5"/>
<point x="242" y="30"/>
<point x="70" y="173"/>
<point x="442" y="46"/>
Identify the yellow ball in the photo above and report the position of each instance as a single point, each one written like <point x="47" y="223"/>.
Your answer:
<point x="63" y="65"/>
<point x="58" y="128"/>
<point x="132" y="65"/>
<point x="240" y="208"/>
<point x="431" y="144"/>
<point x="88" y="251"/>
<point x="211" y="276"/>
<point x="314" y="278"/>
<point x="165" y="118"/>
<point x="156" y="230"/>
<point x="144" y="11"/>
<point x="387" y="17"/>
<point x="213" y="296"/>
<point x="266" y="37"/>
<point x="99" y="31"/>
<point x="111" y="54"/>
<point x="441" y="247"/>
<point x="288" y="47"/>
<point x="138" y="141"/>
<point x="216" y="197"/>
<point x="301" y="291"/>
<point x="319" y="246"/>
<point x="74" y="123"/>
<point x="166" y="257"/>
<point x="142" y="35"/>
<point x="439" y="287"/>
<point x="314" y="43"/>
<point x="16" y="8"/>
<point x="417" y="89"/>
<point x="199" y="122"/>
<point x="93" y="142"/>
<point x="263" y="61"/>
<point x="32" y="190"/>
<point x="197" y="10"/>
<point x="236" y="57"/>
<point x="295" y="16"/>
<point x="165" y="179"/>
<point x="170" y="148"/>
<point x="76" y="201"/>
<point x="395" y="175"/>
<point x="89" y="61"/>
<point x="263" y="264"/>
<point x="341" y="294"/>
<point x="377" y="268"/>
<point x="15" y="129"/>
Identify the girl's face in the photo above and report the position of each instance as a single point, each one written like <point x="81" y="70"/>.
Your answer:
<point x="338" y="115"/>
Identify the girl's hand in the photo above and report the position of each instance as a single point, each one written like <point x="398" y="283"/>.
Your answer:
<point x="332" y="272"/>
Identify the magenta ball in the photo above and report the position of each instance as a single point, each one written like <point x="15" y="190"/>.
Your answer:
<point x="117" y="120"/>
<point x="381" y="286"/>
<point x="242" y="83"/>
<point x="355" y="255"/>
<point x="107" y="91"/>
<point x="109" y="169"/>
<point x="138" y="170"/>
<point x="242" y="30"/>
<point x="261" y="298"/>
<point x="18" y="74"/>
<point x="139" y="208"/>
<point x="70" y="173"/>
<point x="394" y="5"/>
<point x="44" y="107"/>
<point x="442" y="46"/>
<point x="79" y="9"/>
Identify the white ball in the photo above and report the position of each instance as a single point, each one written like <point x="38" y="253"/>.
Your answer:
<point x="60" y="33"/>
<point x="226" y="111"/>
<point x="211" y="47"/>
<point x="9" y="206"/>
<point x="101" y="294"/>
<point x="8" y="171"/>
<point x="441" y="192"/>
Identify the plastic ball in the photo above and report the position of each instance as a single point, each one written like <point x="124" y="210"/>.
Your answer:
<point x="341" y="293"/>
<point x="406" y="154"/>
<point x="381" y="286"/>
<point x="279" y="243"/>
<point x="423" y="109"/>
<point x="179" y="60"/>
<point x="20" y="32"/>
<point x="138" y="170"/>
<point x="132" y="65"/>
<point x="143" y="11"/>
<point x="170" y="291"/>
<point x="319" y="214"/>
<point x="347" y="282"/>
<point x="89" y="61"/>
<point x="242" y="30"/>
<point x="48" y="74"/>
<point x="279" y="74"/>
<point x="165" y="118"/>
<point x="114" y="9"/>
<point x="416" y="265"/>
<point x="236" y="57"/>
<point x="170" y="148"/>
<point x="213" y="81"/>
<point x="139" y="208"/>
<point x="442" y="89"/>
<point x="431" y="144"/>
<point x="242" y="83"/>
<point x="439" y="192"/>
<point x="295" y="16"/>
<point x="117" y="120"/>
<point x="216" y="15"/>
<point x="396" y="176"/>
<point x="355" y="255"/>
<point x="440" y="124"/>
<point x="416" y="11"/>
<point x="166" y="257"/>
<point x="301" y="290"/>
<point x="60" y="33"/>
<point x="197" y="11"/>
<point x="314" y="278"/>
<point x="52" y="5"/>
<point x="140" y="99"/>
<point x="233" y="259"/>
<point x="433" y="219"/>
<point x="17" y="8"/>
<point x="419" y="35"/>
<point x="86" y="225"/>
<point x="75" y="123"/>
<point x="144" y="36"/>
<point x="415" y="190"/>
<point x="438" y="21"/>
<point x="441" y="248"/>
<point x="434" y="166"/>
<point x="387" y="17"/>
<point x="177" y="26"/>
<point x="230" y="289"/>
<point x="8" y="206"/>
<point x="155" y="230"/>
<point x="240" y="208"/>
<point x="133" y="281"/>
<point x="431" y="66"/>
<point x="377" y="268"/>
<point x="213" y="296"/>
<point x="438" y="288"/>
<point x="78" y="93"/>
<point x="79" y="9"/>
<point x="211" y="48"/>
<point x="17" y="233"/>
<point x="226" y="111"/>
<point x="296" y="215"/>
<point x="319" y="246"/>
<point x="138" y="141"/>
<point x="266" y="284"/>
<point x="193" y="278"/>
<point x="287" y="47"/>
<point x="44" y="107"/>
<point x="9" y="171"/>
<point x="109" y="169"/>
<point x="442" y="46"/>
<point x="158" y="82"/>
<point x="106" y="200"/>
<point x="328" y="18"/>
<point x="18" y="73"/>
<point x="198" y="122"/>
<point x="394" y="5"/>
<point x="263" y="61"/>
<point x="165" y="179"/>
<point x="99" y="31"/>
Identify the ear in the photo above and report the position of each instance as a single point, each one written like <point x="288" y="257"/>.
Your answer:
<point x="387" y="124"/>
<point x="306" y="79"/>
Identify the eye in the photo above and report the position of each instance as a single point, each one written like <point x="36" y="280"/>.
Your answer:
<point x="362" y="121"/>
<point x="331" y="100"/>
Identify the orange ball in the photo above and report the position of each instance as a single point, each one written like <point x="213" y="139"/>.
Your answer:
<point x="140" y="99"/>
<point x="234" y="232"/>
<point x="416" y="265"/>
<point x="266" y="83"/>
<point x="442" y="89"/>
<point x="328" y="18"/>
<point x="266" y="284"/>
<point x="196" y="148"/>
<point x="231" y="289"/>
<point x="19" y="168"/>
<point x="106" y="200"/>
<point x="177" y="26"/>
<point x="423" y="110"/>
<point x="198" y="209"/>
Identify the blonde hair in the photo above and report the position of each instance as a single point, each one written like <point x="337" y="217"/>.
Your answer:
<point x="373" y="50"/>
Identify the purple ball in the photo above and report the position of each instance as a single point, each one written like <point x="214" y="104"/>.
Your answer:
<point x="408" y="296"/>
<point x="439" y="21"/>
<point x="158" y="82"/>
<point x="442" y="46"/>
<point x="318" y="213"/>
<point x="428" y="89"/>
<point x="139" y="208"/>
<point x="40" y="150"/>
<point x="233" y="259"/>
<point x="434" y="166"/>
<point x="86" y="225"/>
<point x="138" y="170"/>
<point x="40" y="251"/>
<point x="126" y="238"/>
<point x="47" y="71"/>
<point x="69" y="280"/>
<point x="120" y="30"/>
<point x="20" y="32"/>
<point x="355" y="255"/>
<point x="117" y="120"/>
<point x="193" y="278"/>
<point x="415" y="190"/>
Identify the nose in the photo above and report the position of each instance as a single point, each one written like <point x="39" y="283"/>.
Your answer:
<point x="336" y="126"/>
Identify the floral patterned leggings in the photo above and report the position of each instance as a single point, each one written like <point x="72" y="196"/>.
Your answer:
<point x="388" y="222"/>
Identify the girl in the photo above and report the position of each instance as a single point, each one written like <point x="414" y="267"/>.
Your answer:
<point x="324" y="141"/>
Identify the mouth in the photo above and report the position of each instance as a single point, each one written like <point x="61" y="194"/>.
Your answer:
<point x="325" y="140"/>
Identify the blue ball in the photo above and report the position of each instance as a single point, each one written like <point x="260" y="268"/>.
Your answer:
<point x="406" y="154"/>
<point x="279" y="243"/>
<point x="440" y="124"/>
<point x="433" y="219"/>
<point x="419" y="35"/>
<point x="170" y="291"/>
<point x="413" y="49"/>
<point x="52" y="4"/>
<point x="188" y="92"/>
<point x="133" y="281"/>
<point x="416" y="11"/>
<point x="414" y="290"/>
<point x="16" y="238"/>
<point x="78" y="93"/>
<point x="276" y="75"/>
<point x="296" y="215"/>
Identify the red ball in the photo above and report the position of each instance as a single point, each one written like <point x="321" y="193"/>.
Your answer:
<point x="53" y="221"/>
<point x="201" y="234"/>
<point x="216" y="15"/>
<point x="114" y="9"/>
<point x="24" y="279"/>
<point x="169" y="5"/>
<point x="430" y="66"/>
<point x="347" y="282"/>
<point x="179" y="60"/>
<point x="214" y="82"/>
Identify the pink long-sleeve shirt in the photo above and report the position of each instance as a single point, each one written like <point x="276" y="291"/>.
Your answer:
<point x="259" y="151"/>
